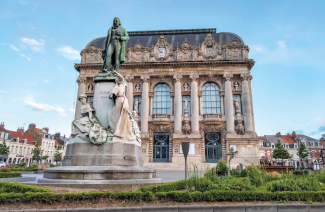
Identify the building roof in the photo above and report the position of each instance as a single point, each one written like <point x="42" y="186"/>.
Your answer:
<point x="39" y="131"/>
<point x="287" y="139"/>
<point x="273" y="139"/>
<point x="26" y="136"/>
<point x="174" y="37"/>
<point x="2" y="129"/>
<point x="307" y="137"/>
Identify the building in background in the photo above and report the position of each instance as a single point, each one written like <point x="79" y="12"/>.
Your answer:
<point x="21" y="143"/>
<point x="163" y="68"/>
<point x="291" y="142"/>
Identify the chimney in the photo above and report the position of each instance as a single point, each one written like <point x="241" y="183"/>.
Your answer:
<point x="294" y="136"/>
<point x="21" y="130"/>
<point x="64" y="136"/>
<point x="57" y="136"/>
<point x="2" y="124"/>
<point x="32" y="126"/>
<point x="46" y="129"/>
<point x="278" y="135"/>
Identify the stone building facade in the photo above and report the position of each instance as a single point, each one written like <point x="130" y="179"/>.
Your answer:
<point x="186" y="85"/>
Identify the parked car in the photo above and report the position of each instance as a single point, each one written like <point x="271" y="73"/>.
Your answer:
<point x="2" y="164"/>
<point x="7" y="164"/>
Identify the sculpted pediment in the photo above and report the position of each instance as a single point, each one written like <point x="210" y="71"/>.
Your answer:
<point x="210" y="49"/>
<point x="91" y="55"/>
<point x="137" y="54"/>
<point x="162" y="51"/>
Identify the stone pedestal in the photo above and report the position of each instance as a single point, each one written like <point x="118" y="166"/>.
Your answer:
<point x="102" y="104"/>
<point x="117" y="161"/>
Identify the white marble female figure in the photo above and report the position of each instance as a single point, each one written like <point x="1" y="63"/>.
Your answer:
<point x="88" y="124"/>
<point x="119" y="120"/>
<point x="185" y="104"/>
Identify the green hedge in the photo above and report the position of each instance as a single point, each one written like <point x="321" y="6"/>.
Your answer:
<point x="30" y="168"/>
<point x="238" y="196"/>
<point x="9" y="174"/>
<point x="173" y="186"/>
<point x="51" y="197"/>
<point x="19" y="188"/>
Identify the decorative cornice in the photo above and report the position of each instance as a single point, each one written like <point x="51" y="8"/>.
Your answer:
<point x="129" y="78"/>
<point x="250" y="63"/>
<point x="194" y="77"/>
<point x="145" y="78"/>
<point x="246" y="77"/>
<point x="177" y="77"/>
<point x="227" y="76"/>
<point x="81" y="80"/>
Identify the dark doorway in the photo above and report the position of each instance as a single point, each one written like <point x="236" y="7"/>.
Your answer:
<point x="213" y="148"/>
<point x="161" y="147"/>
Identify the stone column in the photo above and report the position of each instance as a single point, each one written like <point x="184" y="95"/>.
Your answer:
<point x="151" y="103"/>
<point x="81" y="90"/>
<point x="178" y="105"/>
<point x="145" y="104"/>
<point x="222" y="107"/>
<point x="194" y="104"/>
<point x="246" y="103"/>
<point x="229" y="110"/>
<point x="200" y="102"/>
<point x="129" y="90"/>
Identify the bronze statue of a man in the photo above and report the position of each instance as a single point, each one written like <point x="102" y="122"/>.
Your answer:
<point x="114" y="53"/>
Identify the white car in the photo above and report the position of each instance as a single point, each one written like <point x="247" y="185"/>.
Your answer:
<point x="2" y="164"/>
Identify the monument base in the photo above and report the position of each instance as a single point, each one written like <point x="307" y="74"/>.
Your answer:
<point x="107" y="154"/>
<point x="100" y="173"/>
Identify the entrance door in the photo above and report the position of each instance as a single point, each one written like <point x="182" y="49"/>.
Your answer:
<point x="213" y="149"/>
<point x="161" y="147"/>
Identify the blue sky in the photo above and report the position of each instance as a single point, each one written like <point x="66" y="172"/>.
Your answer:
<point x="40" y="41"/>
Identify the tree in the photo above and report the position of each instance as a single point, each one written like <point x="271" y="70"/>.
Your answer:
<point x="302" y="152"/>
<point x="37" y="152"/>
<point x="231" y="155"/>
<point x="280" y="153"/>
<point x="4" y="149"/>
<point x="57" y="155"/>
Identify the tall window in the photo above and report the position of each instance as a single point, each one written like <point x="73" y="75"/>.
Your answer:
<point x="161" y="99"/>
<point x="16" y="150"/>
<point x="211" y="98"/>
<point x="12" y="149"/>
<point x="139" y="104"/>
<point x="188" y="98"/>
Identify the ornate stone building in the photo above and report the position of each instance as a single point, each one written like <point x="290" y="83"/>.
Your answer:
<point x="186" y="85"/>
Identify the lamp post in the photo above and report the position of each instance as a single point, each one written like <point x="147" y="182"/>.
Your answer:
<point x="185" y="148"/>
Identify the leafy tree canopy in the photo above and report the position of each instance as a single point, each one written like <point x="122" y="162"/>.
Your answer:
<point x="280" y="152"/>
<point x="302" y="151"/>
<point x="4" y="149"/>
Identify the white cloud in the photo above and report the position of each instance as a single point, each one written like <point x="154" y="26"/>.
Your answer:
<point x="40" y="107"/>
<point x="72" y="110"/>
<point x="34" y="44"/>
<point x="46" y="81"/>
<point x="320" y="120"/>
<point x="19" y="23"/>
<point x="25" y="56"/>
<point x="281" y="45"/>
<point x="3" y="91"/>
<point x="257" y="48"/>
<point x="14" y="48"/>
<point x="69" y="52"/>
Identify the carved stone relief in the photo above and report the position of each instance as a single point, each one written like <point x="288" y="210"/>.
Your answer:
<point x="91" y="55"/>
<point x="208" y="50"/>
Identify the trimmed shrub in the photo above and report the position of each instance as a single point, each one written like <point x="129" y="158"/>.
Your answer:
<point x="234" y="172"/>
<point x="173" y="186"/>
<point x="6" y="187"/>
<point x="243" y="173"/>
<point x="9" y="174"/>
<point x="30" y="168"/>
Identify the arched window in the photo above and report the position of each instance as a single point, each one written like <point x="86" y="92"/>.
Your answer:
<point x="161" y="99"/>
<point x="211" y="98"/>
